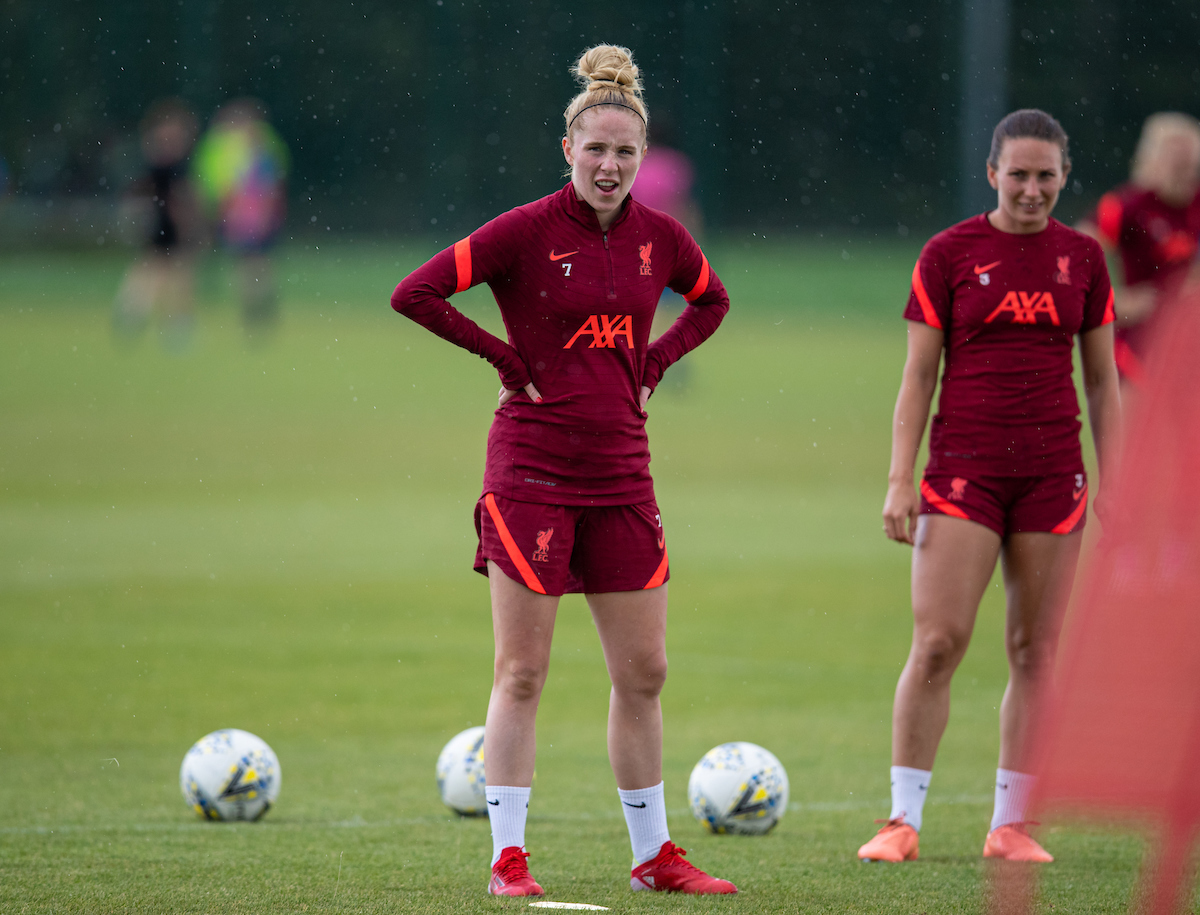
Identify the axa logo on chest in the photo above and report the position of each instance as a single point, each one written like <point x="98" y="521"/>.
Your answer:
<point x="1024" y="308"/>
<point x="604" y="330"/>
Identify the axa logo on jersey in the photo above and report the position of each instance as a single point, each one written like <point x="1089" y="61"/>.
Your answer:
<point x="604" y="330"/>
<point x="1024" y="307"/>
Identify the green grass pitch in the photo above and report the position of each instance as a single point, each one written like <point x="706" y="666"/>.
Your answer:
<point x="279" y="538"/>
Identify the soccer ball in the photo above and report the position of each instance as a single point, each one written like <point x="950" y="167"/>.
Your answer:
<point x="738" y="788"/>
<point x="230" y="775"/>
<point x="460" y="773"/>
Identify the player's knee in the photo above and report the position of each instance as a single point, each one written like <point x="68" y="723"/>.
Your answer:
<point x="644" y="678"/>
<point x="1028" y="656"/>
<point x="937" y="653"/>
<point x="520" y="680"/>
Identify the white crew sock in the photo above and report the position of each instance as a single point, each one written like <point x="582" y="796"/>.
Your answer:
<point x="507" y="810"/>
<point x="909" y="787"/>
<point x="646" y="816"/>
<point x="1012" y="794"/>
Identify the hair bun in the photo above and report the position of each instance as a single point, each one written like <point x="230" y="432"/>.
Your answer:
<point x="608" y="65"/>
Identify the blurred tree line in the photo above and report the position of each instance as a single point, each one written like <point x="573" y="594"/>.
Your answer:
<point x="434" y="115"/>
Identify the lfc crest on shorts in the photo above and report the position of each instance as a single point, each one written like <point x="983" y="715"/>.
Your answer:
<point x="542" y="553"/>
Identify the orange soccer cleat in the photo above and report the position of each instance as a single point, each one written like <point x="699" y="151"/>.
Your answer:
<point x="896" y="842"/>
<point x="1012" y="842"/>
<point x="670" y="873"/>
<point x="510" y="875"/>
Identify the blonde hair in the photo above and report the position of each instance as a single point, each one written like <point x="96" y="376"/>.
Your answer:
<point x="609" y="77"/>
<point x="1159" y="128"/>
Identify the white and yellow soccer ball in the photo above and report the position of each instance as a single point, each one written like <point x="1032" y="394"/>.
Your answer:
<point x="460" y="777"/>
<point x="230" y="775"/>
<point x="738" y="788"/>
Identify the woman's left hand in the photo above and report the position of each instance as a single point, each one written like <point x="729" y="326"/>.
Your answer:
<point x="644" y="398"/>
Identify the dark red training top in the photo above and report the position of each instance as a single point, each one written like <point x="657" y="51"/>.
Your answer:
<point x="1156" y="243"/>
<point x="1009" y="306"/>
<point x="577" y="303"/>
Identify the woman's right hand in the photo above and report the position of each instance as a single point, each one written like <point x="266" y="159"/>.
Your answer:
<point x="506" y="395"/>
<point x="900" y="511"/>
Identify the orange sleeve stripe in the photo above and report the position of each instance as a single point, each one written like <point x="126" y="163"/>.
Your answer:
<point x="1109" y="214"/>
<point x="510" y="545"/>
<point x="927" y="309"/>
<point x="659" y="575"/>
<point x="1110" y="311"/>
<point x="462" y="263"/>
<point x="941" y="504"/>
<point x="701" y="281"/>
<point x="1067" y="525"/>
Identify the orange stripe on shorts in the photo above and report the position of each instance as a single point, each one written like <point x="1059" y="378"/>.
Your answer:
<point x="462" y="264"/>
<point x="941" y="504"/>
<point x="510" y="545"/>
<point x="1068" y="523"/>
<point x="660" y="573"/>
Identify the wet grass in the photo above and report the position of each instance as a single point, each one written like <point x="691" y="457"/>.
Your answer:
<point x="278" y="537"/>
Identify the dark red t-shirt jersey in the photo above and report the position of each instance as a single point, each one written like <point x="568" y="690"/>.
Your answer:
<point x="577" y="303"/>
<point x="1010" y="306"/>
<point x="1156" y="243"/>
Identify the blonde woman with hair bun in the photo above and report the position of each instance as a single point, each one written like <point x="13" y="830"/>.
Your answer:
<point x="1151" y="226"/>
<point x="567" y="504"/>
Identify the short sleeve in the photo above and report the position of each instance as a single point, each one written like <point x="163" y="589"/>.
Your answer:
<point x="929" y="300"/>
<point x="1109" y="215"/>
<point x="1098" y="307"/>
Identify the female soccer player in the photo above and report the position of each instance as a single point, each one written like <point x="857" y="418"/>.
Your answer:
<point x="1002" y="293"/>
<point x="1153" y="224"/>
<point x="568" y="503"/>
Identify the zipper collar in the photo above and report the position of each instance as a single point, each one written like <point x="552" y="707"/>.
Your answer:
<point x="582" y="212"/>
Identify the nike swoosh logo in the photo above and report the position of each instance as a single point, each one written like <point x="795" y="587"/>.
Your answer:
<point x="981" y="270"/>
<point x="661" y="541"/>
<point x="638" y="806"/>
<point x="1002" y="787"/>
<point x="494" y="803"/>
<point x="923" y="787"/>
<point x="1076" y="495"/>
<point x="558" y="257"/>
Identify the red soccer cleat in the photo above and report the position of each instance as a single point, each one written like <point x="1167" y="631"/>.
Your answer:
<point x="510" y="875"/>
<point x="896" y="842"/>
<point x="1012" y="842"/>
<point x="668" y="872"/>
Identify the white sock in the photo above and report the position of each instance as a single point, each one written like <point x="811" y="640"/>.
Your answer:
<point x="507" y="810"/>
<point x="1012" y="794"/>
<point x="909" y="787"/>
<point x="646" y="816"/>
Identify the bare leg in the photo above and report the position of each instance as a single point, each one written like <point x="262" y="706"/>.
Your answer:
<point x="523" y="625"/>
<point x="1039" y="570"/>
<point x="953" y="560"/>
<point x="633" y="633"/>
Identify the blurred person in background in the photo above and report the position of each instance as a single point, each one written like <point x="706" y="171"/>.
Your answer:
<point x="162" y="278"/>
<point x="1151" y="228"/>
<point x="664" y="182"/>
<point x="241" y="165"/>
<point x="1004" y="295"/>
<point x="568" y="502"/>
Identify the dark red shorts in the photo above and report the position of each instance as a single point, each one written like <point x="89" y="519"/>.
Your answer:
<point x="568" y="549"/>
<point x="1056" y="503"/>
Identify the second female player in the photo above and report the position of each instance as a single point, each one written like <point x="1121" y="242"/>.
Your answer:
<point x="1002" y="295"/>
<point x="568" y="502"/>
